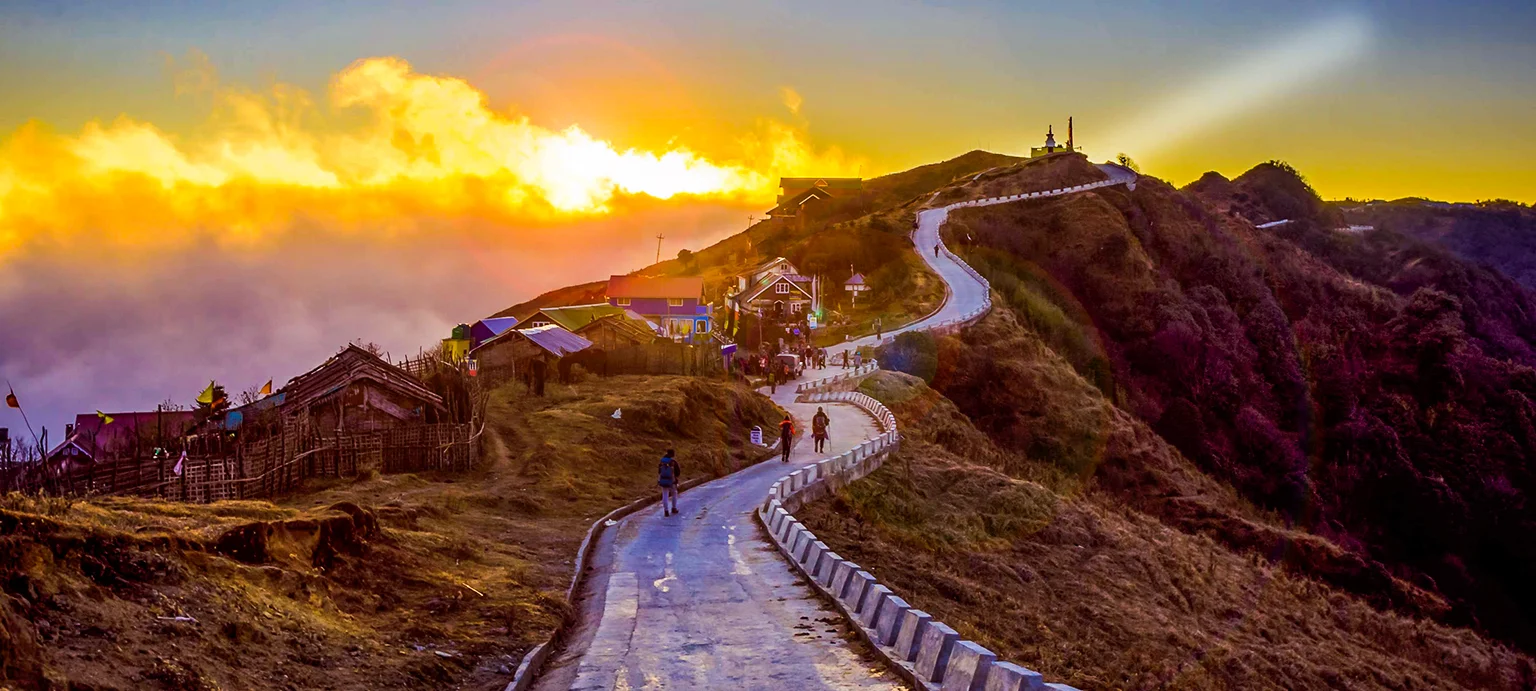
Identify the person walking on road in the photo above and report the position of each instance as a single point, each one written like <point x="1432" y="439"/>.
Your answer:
<point x="786" y="436"/>
<point x="878" y="329"/>
<point x="936" y="249"/>
<point x="819" y="425"/>
<point x="773" y="386"/>
<point x="667" y="475"/>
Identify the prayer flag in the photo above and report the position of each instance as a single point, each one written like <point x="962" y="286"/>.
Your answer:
<point x="206" y="397"/>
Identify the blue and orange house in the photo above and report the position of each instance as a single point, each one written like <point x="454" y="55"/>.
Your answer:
<point x="677" y="304"/>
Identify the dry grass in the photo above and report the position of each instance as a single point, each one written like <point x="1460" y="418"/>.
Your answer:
<point x="467" y="571"/>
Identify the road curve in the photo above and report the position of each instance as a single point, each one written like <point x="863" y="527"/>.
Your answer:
<point x="702" y="600"/>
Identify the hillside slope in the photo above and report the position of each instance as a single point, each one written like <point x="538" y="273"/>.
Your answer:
<point x="1376" y="395"/>
<point x="1084" y="588"/>
<point x="1499" y="234"/>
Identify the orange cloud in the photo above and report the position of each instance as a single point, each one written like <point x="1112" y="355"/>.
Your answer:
<point x="391" y="143"/>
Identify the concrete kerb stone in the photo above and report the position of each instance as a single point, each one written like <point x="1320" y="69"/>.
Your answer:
<point x="858" y="584"/>
<point x="842" y="575"/>
<point x="1060" y="687"/>
<point x="933" y="651"/>
<point x="888" y="621"/>
<point x="803" y="536"/>
<point x="812" y="557"/>
<point x="826" y="568"/>
<point x="1006" y="676"/>
<point x="910" y="633"/>
<point x="787" y="531"/>
<point x="776" y="515"/>
<point x="967" y="668"/>
<point x="803" y="550"/>
<point x="869" y="608"/>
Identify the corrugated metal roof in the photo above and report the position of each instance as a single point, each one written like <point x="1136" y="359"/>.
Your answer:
<point x="857" y="280"/>
<point x="638" y="329"/>
<point x="574" y="317"/>
<point x="498" y="325"/>
<point x="642" y="287"/>
<point x="557" y="341"/>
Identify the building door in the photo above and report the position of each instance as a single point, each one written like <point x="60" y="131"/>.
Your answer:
<point x="778" y="309"/>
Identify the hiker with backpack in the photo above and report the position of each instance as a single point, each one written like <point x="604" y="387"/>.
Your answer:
<point x="667" y="474"/>
<point x="786" y="436"/>
<point x="819" y="425"/>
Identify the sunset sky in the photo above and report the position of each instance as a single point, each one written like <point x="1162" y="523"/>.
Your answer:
<point x="196" y="190"/>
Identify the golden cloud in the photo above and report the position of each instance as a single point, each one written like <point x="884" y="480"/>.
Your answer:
<point x="392" y="143"/>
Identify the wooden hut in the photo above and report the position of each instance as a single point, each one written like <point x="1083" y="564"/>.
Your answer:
<point x="357" y="391"/>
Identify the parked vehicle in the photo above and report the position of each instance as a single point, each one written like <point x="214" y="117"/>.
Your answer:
<point x="792" y="363"/>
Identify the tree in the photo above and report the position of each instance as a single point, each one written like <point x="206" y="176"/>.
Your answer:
<point x="370" y="346"/>
<point x="250" y="395"/>
<point x="688" y="260"/>
<point x="215" y="410"/>
<point x="1127" y="161"/>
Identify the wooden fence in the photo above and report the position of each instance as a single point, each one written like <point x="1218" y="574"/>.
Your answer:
<point x="216" y="469"/>
<point x="666" y="358"/>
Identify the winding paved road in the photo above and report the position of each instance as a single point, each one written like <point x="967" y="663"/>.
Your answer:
<point x="702" y="600"/>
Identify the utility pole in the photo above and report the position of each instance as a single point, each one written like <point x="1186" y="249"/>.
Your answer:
<point x="659" y="236"/>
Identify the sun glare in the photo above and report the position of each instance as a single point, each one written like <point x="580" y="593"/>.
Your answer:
<point x="1263" y="76"/>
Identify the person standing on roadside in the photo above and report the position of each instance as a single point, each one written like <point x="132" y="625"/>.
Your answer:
<point x="786" y="436"/>
<point x="819" y="428"/>
<point x="668" y="474"/>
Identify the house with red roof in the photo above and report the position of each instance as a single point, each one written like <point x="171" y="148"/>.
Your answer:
<point x="675" y="303"/>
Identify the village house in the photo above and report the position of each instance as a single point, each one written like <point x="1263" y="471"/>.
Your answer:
<point x="357" y="391"/>
<point x="615" y="331"/>
<point x="855" y="285"/>
<point x="512" y="353"/>
<point x="776" y="289"/>
<point x="574" y="318"/>
<point x="129" y="434"/>
<point x="675" y="304"/>
<point x="799" y="197"/>
<point x="489" y="328"/>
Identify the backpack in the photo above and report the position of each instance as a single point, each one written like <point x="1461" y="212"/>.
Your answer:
<point x="667" y="471"/>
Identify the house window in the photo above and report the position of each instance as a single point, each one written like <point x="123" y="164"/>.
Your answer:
<point x="782" y="289"/>
<point x="674" y="302"/>
<point x="701" y="326"/>
<point x="539" y="324"/>
<point x="621" y="302"/>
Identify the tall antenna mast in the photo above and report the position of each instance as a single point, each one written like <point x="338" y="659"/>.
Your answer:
<point x="659" y="236"/>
